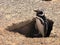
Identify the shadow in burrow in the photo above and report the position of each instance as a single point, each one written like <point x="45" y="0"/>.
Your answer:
<point x="27" y="28"/>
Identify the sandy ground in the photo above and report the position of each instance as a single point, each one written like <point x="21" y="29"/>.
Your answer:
<point x="16" y="11"/>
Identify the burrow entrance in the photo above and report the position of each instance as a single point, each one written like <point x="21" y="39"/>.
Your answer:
<point x="27" y="28"/>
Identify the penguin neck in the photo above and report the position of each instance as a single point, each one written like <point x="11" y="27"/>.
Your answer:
<point x="43" y="17"/>
<point x="42" y="21"/>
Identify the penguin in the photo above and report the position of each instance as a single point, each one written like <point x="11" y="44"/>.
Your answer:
<point x="41" y="23"/>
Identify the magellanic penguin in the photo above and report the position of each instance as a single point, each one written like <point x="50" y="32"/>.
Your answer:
<point x="41" y="23"/>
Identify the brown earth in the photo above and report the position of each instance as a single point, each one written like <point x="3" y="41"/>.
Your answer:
<point x="17" y="11"/>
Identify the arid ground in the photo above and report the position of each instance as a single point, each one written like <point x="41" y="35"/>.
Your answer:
<point x="13" y="12"/>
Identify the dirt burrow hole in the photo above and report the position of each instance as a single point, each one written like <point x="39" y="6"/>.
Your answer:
<point x="27" y="28"/>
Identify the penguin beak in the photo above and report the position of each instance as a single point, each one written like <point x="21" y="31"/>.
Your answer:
<point x="36" y="10"/>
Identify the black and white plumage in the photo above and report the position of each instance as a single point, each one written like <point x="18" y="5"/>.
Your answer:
<point x="41" y="23"/>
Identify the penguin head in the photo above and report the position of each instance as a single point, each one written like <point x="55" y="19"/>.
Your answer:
<point x="39" y="13"/>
